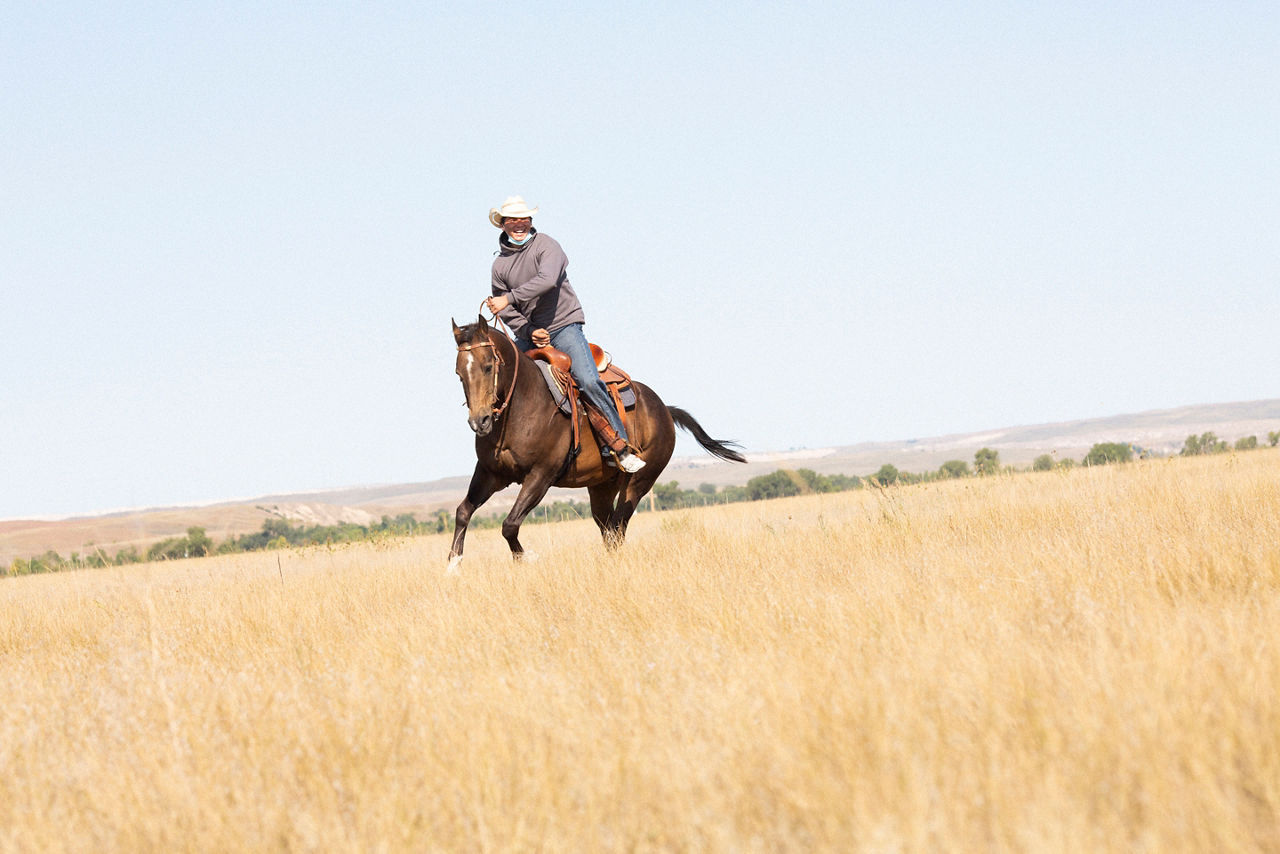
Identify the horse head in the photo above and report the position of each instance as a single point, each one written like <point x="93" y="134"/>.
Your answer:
<point x="478" y="367"/>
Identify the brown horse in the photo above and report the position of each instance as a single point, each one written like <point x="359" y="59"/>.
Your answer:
<point x="522" y="437"/>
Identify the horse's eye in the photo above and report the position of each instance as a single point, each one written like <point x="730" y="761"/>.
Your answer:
<point x="488" y="369"/>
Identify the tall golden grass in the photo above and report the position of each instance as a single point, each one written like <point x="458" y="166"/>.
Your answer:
<point x="1078" y="661"/>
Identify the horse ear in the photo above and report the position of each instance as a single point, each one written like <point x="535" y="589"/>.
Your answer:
<point x="457" y="331"/>
<point x="483" y="326"/>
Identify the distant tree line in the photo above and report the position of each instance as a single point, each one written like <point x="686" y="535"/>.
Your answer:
<point x="1209" y="443"/>
<point x="782" y="483"/>
<point x="275" y="533"/>
<point x="278" y="533"/>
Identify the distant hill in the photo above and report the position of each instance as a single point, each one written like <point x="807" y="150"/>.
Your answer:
<point x="1161" y="431"/>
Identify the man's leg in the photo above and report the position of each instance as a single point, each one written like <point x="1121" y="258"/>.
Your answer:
<point x="572" y="341"/>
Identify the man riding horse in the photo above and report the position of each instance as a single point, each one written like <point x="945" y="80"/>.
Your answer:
<point x="532" y="295"/>
<point x="521" y="434"/>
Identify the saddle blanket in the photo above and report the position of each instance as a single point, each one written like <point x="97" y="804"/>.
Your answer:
<point x="626" y="392"/>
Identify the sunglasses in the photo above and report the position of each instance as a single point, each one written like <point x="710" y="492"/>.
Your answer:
<point x="517" y="220"/>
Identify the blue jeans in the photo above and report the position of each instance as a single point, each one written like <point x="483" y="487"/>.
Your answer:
<point x="571" y="341"/>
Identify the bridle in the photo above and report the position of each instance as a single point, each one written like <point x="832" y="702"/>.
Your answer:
<point x="479" y="345"/>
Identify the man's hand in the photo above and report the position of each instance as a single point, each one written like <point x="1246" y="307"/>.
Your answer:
<point x="541" y="338"/>
<point x="497" y="304"/>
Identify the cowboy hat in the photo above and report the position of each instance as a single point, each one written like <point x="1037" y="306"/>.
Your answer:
<point x="514" y="206"/>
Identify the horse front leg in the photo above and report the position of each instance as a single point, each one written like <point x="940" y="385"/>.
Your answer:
<point x="532" y="491"/>
<point x="484" y="484"/>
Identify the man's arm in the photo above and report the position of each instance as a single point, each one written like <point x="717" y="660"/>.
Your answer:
<point x="502" y="305"/>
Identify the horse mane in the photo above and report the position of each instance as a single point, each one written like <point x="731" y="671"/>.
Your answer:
<point x="470" y="332"/>
<point x="474" y="333"/>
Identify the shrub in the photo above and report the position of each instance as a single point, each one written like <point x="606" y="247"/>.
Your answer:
<point x="1108" y="452"/>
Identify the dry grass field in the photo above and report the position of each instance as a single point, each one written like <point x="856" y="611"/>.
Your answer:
<point x="1070" y="661"/>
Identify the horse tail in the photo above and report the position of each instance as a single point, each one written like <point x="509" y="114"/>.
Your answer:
<point x="717" y="448"/>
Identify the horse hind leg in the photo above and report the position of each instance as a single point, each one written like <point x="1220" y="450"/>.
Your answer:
<point x="637" y="488"/>
<point x="604" y="497"/>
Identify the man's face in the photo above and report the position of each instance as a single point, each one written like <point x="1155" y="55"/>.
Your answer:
<point x="517" y="227"/>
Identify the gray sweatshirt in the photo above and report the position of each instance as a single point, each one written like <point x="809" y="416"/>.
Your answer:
<point x="533" y="277"/>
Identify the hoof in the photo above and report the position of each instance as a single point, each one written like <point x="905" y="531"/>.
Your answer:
<point x="527" y="557"/>
<point x="454" y="563"/>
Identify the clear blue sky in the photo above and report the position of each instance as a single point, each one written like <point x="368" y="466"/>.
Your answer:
<point x="232" y="235"/>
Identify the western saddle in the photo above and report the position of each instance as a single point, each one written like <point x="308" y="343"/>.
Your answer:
<point x="616" y="380"/>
